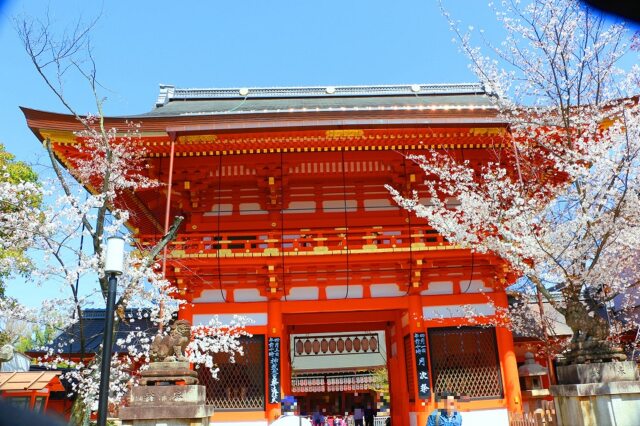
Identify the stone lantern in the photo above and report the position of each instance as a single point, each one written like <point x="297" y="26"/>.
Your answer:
<point x="532" y="391"/>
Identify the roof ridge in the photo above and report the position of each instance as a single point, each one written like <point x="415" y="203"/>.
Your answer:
<point x="97" y="313"/>
<point x="169" y="92"/>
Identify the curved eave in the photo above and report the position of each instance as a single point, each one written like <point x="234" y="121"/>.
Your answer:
<point x="189" y="124"/>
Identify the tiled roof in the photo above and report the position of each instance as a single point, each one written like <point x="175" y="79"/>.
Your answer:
<point x="168" y="92"/>
<point x="174" y="101"/>
<point x="555" y="321"/>
<point x="93" y="322"/>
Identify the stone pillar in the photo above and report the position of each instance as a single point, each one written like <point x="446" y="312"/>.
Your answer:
<point x="509" y="369"/>
<point x="597" y="394"/>
<point x="164" y="398"/>
<point x="274" y="329"/>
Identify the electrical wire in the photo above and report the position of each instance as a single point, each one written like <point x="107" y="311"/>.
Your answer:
<point x="472" y="252"/>
<point x="284" y="285"/>
<point x="346" y="220"/>
<point x="404" y="166"/>
<point x="219" y="237"/>
<point x="470" y="275"/>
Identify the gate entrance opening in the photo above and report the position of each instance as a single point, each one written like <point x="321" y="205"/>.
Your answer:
<point x="337" y="404"/>
<point x="341" y="365"/>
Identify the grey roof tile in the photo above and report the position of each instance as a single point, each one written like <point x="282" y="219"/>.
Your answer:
<point x="183" y="102"/>
<point x="69" y="339"/>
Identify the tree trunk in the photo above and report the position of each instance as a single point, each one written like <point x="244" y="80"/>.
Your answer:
<point x="590" y="335"/>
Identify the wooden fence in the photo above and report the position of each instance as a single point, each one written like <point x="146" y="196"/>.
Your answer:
<point x="544" y="416"/>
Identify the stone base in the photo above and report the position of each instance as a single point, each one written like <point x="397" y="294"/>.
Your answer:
<point x="168" y="422"/>
<point x="167" y="406"/>
<point x="592" y="351"/>
<point x="597" y="372"/>
<point x="173" y="421"/>
<point x="169" y="373"/>
<point x="598" y="404"/>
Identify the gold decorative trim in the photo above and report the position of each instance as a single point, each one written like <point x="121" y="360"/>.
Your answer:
<point x="62" y="137"/>
<point x="344" y="133"/>
<point x="190" y="139"/>
<point x="317" y="251"/>
<point x="245" y="151"/>
<point x="488" y="131"/>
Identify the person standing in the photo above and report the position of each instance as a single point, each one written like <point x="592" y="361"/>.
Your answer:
<point x="318" y="418"/>
<point x="447" y="416"/>
<point x="358" y="416"/>
<point x="369" y="414"/>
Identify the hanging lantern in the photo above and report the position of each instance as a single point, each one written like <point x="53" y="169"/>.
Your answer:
<point x="373" y="343"/>
<point x="365" y="344"/>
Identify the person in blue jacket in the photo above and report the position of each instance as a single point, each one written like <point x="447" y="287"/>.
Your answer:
<point x="448" y="415"/>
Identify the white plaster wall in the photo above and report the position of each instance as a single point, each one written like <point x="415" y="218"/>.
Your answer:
<point x="340" y="291"/>
<point x="347" y="361"/>
<point x="211" y="296"/>
<point x="474" y="286"/>
<point x="457" y="311"/>
<point x="302" y="293"/>
<point x="386" y="290"/>
<point x="238" y="423"/>
<point x="438" y="287"/>
<point x="497" y="417"/>
<point x="248" y="295"/>
<point x="256" y="318"/>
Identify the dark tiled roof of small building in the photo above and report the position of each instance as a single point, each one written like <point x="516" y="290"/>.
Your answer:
<point x="555" y="321"/>
<point x="93" y="324"/>
<point x="183" y="102"/>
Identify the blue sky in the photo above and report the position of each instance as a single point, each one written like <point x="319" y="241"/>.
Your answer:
<point x="242" y="43"/>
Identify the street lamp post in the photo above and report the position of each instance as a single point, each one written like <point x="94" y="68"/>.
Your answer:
<point x="114" y="265"/>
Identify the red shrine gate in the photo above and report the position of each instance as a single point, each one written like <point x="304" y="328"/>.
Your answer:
<point x="288" y="222"/>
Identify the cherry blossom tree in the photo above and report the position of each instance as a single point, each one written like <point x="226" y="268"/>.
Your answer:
<point x="66" y="234"/>
<point x="216" y="337"/>
<point x="561" y="203"/>
<point x="19" y="198"/>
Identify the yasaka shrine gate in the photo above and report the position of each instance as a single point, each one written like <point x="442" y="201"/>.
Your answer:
<point x="288" y="222"/>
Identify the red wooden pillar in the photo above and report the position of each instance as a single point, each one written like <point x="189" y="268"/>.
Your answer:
<point x="509" y="369"/>
<point x="416" y="325"/>
<point x="393" y="371"/>
<point x="399" y="388"/>
<point x="185" y="312"/>
<point x="275" y="329"/>
<point x="508" y="362"/>
<point x="166" y="221"/>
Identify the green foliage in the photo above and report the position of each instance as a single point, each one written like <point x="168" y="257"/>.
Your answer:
<point x="38" y="338"/>
<point x="15" y="172"/>
<point x="5" y="338"/>
<point x="381" y="380"/>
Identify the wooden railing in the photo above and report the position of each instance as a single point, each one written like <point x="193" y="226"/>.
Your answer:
<point x="377" y="421"/>
<point x="380" y="420"/>
<point x="307" y="241"/>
